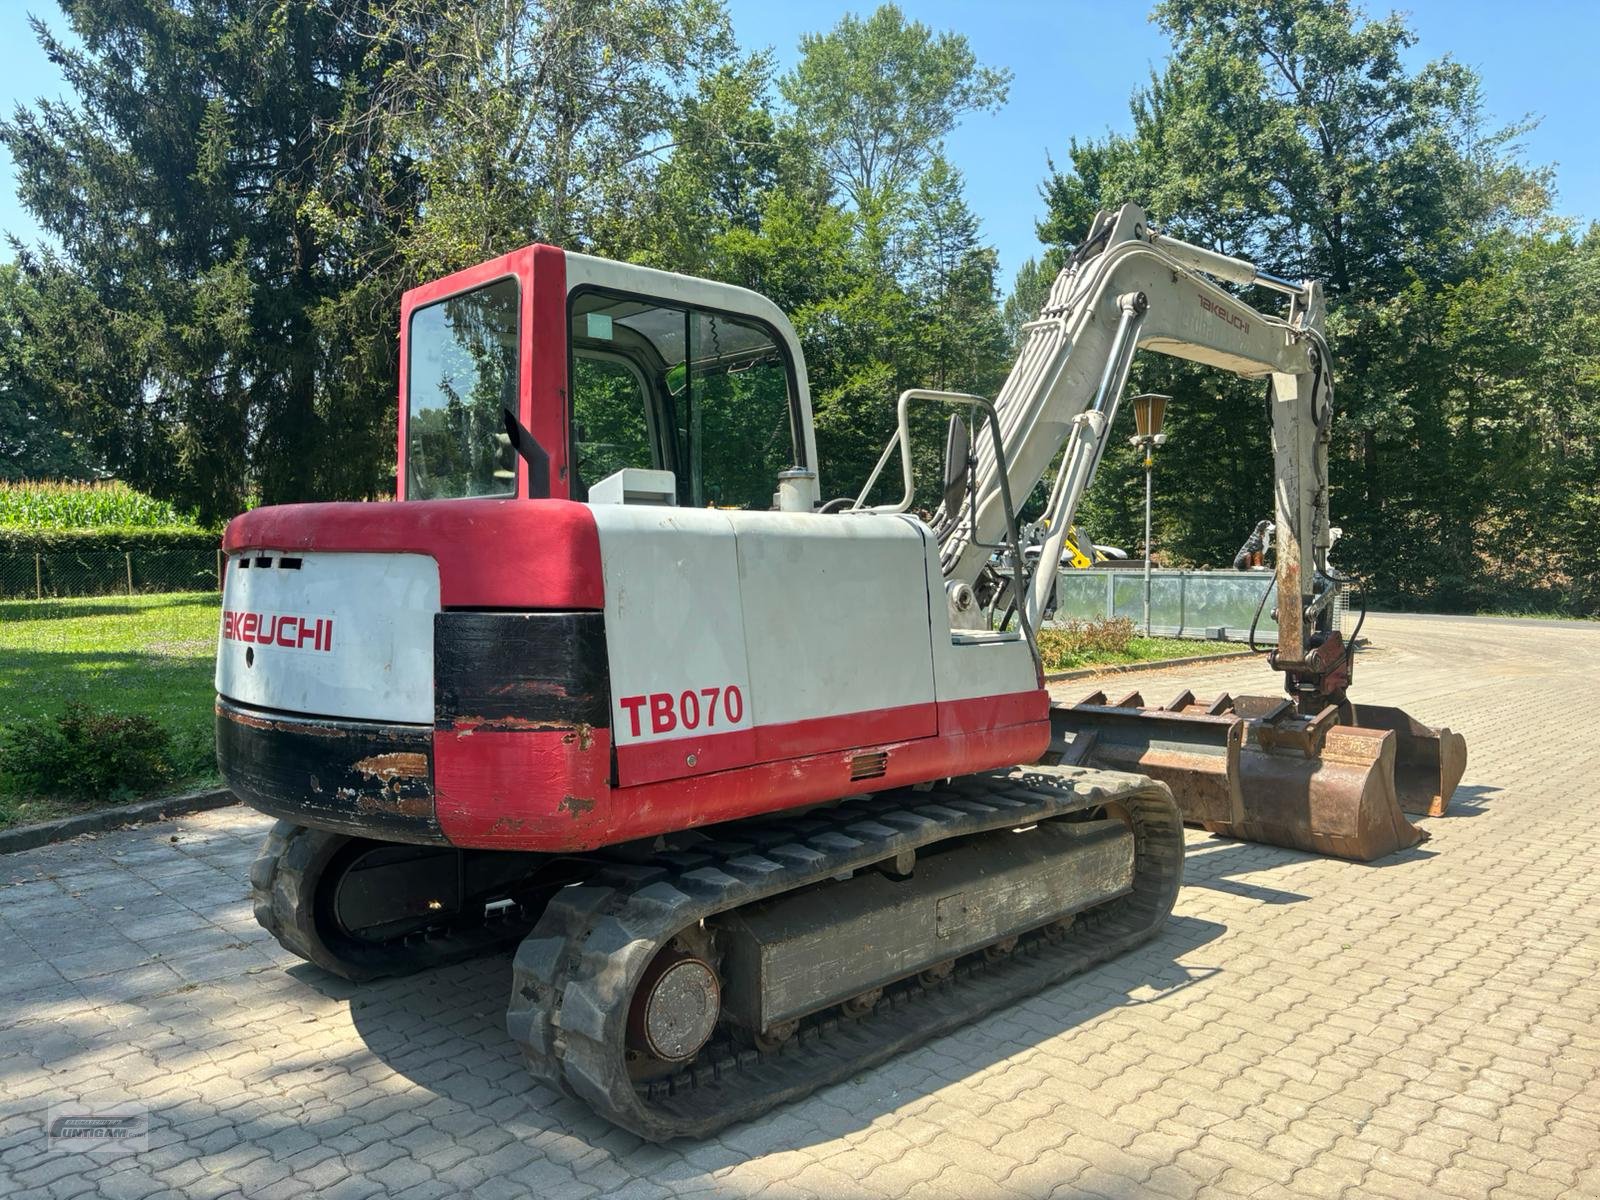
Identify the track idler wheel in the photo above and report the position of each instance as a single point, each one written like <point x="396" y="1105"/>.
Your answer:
<point x="675" y="1007"/>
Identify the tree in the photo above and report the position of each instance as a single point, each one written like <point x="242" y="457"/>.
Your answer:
<point x="877" y="97"/>
<point x="1029" y="291"/>
<point x="1295" y="135"/>
<point x="730" y="157"/>
<point x="1489" y="471"/>
<point x="526" y="120"/>
<point x="38" y="434"/>
<point x="951" y="274"/>
<point x="178" y="183"/>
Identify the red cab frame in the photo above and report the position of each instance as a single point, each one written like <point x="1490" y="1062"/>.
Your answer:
<point x="541" y="275"/>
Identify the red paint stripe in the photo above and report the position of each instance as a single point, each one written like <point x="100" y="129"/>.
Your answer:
<point x="647" y="762"/>
<point x="794" y="738"/>
<point x="652" y="761"/>
<point x="545" y="791"/>
<point x="993" y="712"/>
<point x="491" y="553"/>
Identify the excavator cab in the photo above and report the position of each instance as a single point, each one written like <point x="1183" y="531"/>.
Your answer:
<point x="606" y="367"/>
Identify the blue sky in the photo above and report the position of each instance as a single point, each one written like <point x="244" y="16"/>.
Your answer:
<point x="1076" y="64"/>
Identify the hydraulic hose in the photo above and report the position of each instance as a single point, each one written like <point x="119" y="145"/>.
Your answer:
<point x="1256" y="620"/>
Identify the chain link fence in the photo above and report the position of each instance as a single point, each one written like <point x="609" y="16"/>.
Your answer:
<point x="59" y="574"/>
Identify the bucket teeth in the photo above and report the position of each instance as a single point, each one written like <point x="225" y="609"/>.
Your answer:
<point x="1250" y="767"/>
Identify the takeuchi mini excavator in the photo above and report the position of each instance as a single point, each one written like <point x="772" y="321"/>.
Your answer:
<point x="744" y="774"/>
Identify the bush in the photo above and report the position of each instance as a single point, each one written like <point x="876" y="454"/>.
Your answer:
<point x="28" y="542"/>
<point x="85" y="755"/>
<point x="1066" y="646"/>
<point x="52" y="505"/>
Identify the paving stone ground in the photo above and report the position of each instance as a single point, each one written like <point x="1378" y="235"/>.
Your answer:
<point x="1428" y="1026"/>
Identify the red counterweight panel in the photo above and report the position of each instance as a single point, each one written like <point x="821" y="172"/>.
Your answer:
<point x="519" y="554"/>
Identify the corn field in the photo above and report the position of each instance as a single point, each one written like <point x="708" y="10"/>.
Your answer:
<point x="66" y="505"/>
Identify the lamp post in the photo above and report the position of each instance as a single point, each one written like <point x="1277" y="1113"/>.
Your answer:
<point x="1149" y="410"/>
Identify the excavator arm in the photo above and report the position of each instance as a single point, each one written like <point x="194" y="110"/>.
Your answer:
<point x="1318" y="773"/>
<point x="1130" y="288"/>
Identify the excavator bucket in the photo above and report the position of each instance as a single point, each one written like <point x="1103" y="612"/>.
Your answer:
<point x="1428" y="762"/>
<point x="1251" y="767"/>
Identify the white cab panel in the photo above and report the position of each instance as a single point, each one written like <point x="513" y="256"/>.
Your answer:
<point x="836" y="616"/>
<point x="740" y="637"/>
<point x="344" y="635"/>
<point x="674" y="635"/>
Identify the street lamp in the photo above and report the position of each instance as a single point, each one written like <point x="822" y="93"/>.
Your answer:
<point x="1149" y="410"/>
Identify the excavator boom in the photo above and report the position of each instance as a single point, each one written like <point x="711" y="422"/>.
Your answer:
<point x="1127" y="288"/>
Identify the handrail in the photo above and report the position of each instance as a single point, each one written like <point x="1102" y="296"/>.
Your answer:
<point x="902" y="437"/>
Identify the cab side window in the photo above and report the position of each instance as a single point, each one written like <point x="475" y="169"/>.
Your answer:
<point x="610" y="422"/>
<point x="703" y="395"/>
<point x="739" y="412"/>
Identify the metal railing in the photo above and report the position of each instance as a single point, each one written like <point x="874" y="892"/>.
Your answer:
<point x="1190" y="604"/>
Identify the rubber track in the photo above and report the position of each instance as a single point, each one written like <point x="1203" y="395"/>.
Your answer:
<point x="575" y="974"/>
<point x="283" y="885"/>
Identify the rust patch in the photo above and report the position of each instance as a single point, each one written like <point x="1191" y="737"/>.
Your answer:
<point x="583" y="734"/>
<point x="518" y="688"/>
<point x="253" y="722"/>
<point x="398" y="765"/>
<point x="575" y="805"/>
<point x="470" y="725"/>
<point x="508" y="825"/>
<point x="402" y="806"/>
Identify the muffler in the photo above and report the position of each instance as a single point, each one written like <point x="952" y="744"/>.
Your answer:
<point x="1250" y="767"/>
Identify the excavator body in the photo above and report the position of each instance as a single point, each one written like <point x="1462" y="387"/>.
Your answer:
<point x="746" y="777"/>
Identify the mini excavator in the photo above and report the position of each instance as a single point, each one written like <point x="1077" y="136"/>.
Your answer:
<point x="745" y="776"/>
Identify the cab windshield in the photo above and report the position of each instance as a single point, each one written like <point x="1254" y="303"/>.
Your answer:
<point x="461" y="380"/>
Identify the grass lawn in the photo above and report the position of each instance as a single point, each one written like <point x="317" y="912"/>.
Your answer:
<point x="140" y="654"/>
<point x="1063" y="653"/>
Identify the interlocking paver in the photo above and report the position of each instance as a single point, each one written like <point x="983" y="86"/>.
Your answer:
<point x="1304" y="1027"/>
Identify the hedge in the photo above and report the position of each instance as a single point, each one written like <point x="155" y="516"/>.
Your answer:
<point x="97" y="562"/>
